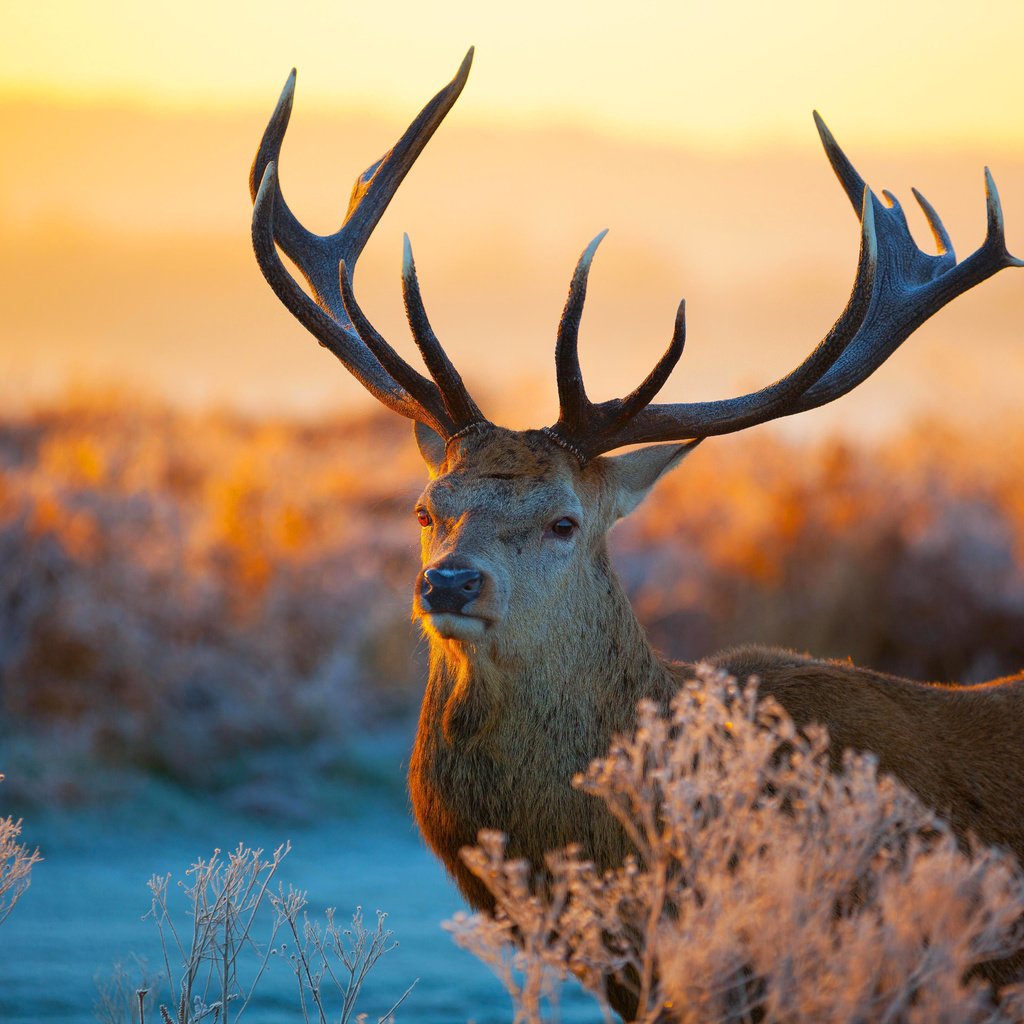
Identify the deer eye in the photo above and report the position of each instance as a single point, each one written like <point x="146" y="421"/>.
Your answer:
<point x="564" y="527"/>
<point x="423" y="517"/>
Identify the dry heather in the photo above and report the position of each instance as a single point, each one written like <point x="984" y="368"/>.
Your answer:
<point x="178" y="591"/>
<point x="766" y="888"/>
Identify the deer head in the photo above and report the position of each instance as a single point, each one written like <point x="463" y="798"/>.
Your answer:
<point x="514" y="522"/>
<point x="513" y="533"/>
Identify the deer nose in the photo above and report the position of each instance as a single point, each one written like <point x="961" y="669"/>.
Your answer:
<point x="449" y="590"/>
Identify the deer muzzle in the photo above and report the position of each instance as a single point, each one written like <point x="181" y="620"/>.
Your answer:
<point x="449" y="590"/>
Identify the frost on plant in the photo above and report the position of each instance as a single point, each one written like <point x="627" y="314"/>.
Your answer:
<point x="16" y="863"/>
<point x="224" y="899"/>
<point x="330" y="962"/>
<point x="125" y="995"/>
<point x="765" y="887"/>
<point x="239" y="925"/>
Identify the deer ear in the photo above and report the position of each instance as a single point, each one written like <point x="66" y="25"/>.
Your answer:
<point x="633" y="474"/>
<point x="431" y="446"/>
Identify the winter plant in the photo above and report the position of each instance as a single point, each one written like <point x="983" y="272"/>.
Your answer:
<point x="224" y="899"/>
<point x="766" y="886"/>
<point x="126" y="994"/>
<point x="16" y="863"/>
<point x="239" y="924"/>
<point x="328" y="957"/>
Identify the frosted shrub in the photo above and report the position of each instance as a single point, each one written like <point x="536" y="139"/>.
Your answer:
<point x="239" y="925"/>
<point x="224" y="900"/>
<point x="16" y="864"/>
<point x="331" y="963"/>
<point x="765" y="887"/>
<point x="125" y="995"/>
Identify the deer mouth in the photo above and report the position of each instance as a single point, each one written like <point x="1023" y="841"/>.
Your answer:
<point x="454" y="625"/>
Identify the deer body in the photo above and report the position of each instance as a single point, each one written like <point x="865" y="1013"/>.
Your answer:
<point x="536" y="658"/>
<point x="511" y="715"/>
<point x="959" y="748"/>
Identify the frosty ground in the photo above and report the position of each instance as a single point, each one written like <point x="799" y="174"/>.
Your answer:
<point x="84" y="910"/>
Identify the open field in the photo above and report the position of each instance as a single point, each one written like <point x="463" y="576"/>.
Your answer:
<point x="184" y="593"/>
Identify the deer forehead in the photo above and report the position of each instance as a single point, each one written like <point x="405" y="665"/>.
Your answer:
<point x="509" y="475"/>
<point x="497" y="452"/>
<point x="503" y="499"/>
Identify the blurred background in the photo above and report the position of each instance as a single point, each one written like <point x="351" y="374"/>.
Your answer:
<point x="206" y="543"/>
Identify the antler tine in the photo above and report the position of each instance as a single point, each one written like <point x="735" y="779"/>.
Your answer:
<point x="375" y="187"/>
<point x="644" y="393"/>
<point x="942" y="240"/>
<point x="328" y="262"/>
<point x="404" y="375"/>
<point x="853" y="184"/>
<point x="358" y="359"/>
<point x="995" y="236"/>
<point x="290" y="234"/>
<point x="461" y="407"/>
<point x="572" y="393"/>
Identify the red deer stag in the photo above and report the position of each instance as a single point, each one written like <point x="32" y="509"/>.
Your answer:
<point x="536" y="657"/>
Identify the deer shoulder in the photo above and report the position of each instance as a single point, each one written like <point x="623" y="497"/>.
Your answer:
<point x="960" y="748"/>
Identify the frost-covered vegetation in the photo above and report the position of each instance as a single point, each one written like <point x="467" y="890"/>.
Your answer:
<point x="16" y="863"/>
<point x="177" y="592"/>
<point x="239" y="922"/>
<point x="182" y="592"/>
<point x="765" y="887"/>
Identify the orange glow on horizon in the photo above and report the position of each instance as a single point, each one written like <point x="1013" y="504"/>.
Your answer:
<point x="687" y="131"/>
<point x="713" y="75"/>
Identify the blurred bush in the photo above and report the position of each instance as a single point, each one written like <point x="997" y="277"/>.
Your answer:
<point x="181" y="591"/>
<point x="908" y="559"/>
<point x="177" y="590"/>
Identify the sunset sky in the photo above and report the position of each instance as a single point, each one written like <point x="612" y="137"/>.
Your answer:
<point x="712" y="74"/>
<point x="683" y="127"/>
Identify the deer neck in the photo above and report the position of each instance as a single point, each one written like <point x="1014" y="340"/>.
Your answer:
<point x="584" y="659"/>
<point x="506" y="725"/>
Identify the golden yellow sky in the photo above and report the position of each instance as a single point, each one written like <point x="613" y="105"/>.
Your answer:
<point x="684" y="128"/>
<point x="713" y="74"/>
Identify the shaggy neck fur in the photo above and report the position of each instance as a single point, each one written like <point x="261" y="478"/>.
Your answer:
<point x="505" y="726"/>
<point x="603" y="656"/>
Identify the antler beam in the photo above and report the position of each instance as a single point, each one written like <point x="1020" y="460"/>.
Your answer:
<point x="896" y="289"/>
<point x="328" y="262"/>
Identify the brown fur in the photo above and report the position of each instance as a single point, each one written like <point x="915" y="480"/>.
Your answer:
<point x="510" y="715"/>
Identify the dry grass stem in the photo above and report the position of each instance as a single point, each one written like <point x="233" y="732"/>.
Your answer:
<point x="239" y="925"/>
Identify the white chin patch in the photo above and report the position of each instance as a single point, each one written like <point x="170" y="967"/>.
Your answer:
<point x="455" y="627"/>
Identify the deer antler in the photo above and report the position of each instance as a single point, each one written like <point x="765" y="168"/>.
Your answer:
<point x="897" y="288"/>
<point x="328" y="262"/>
